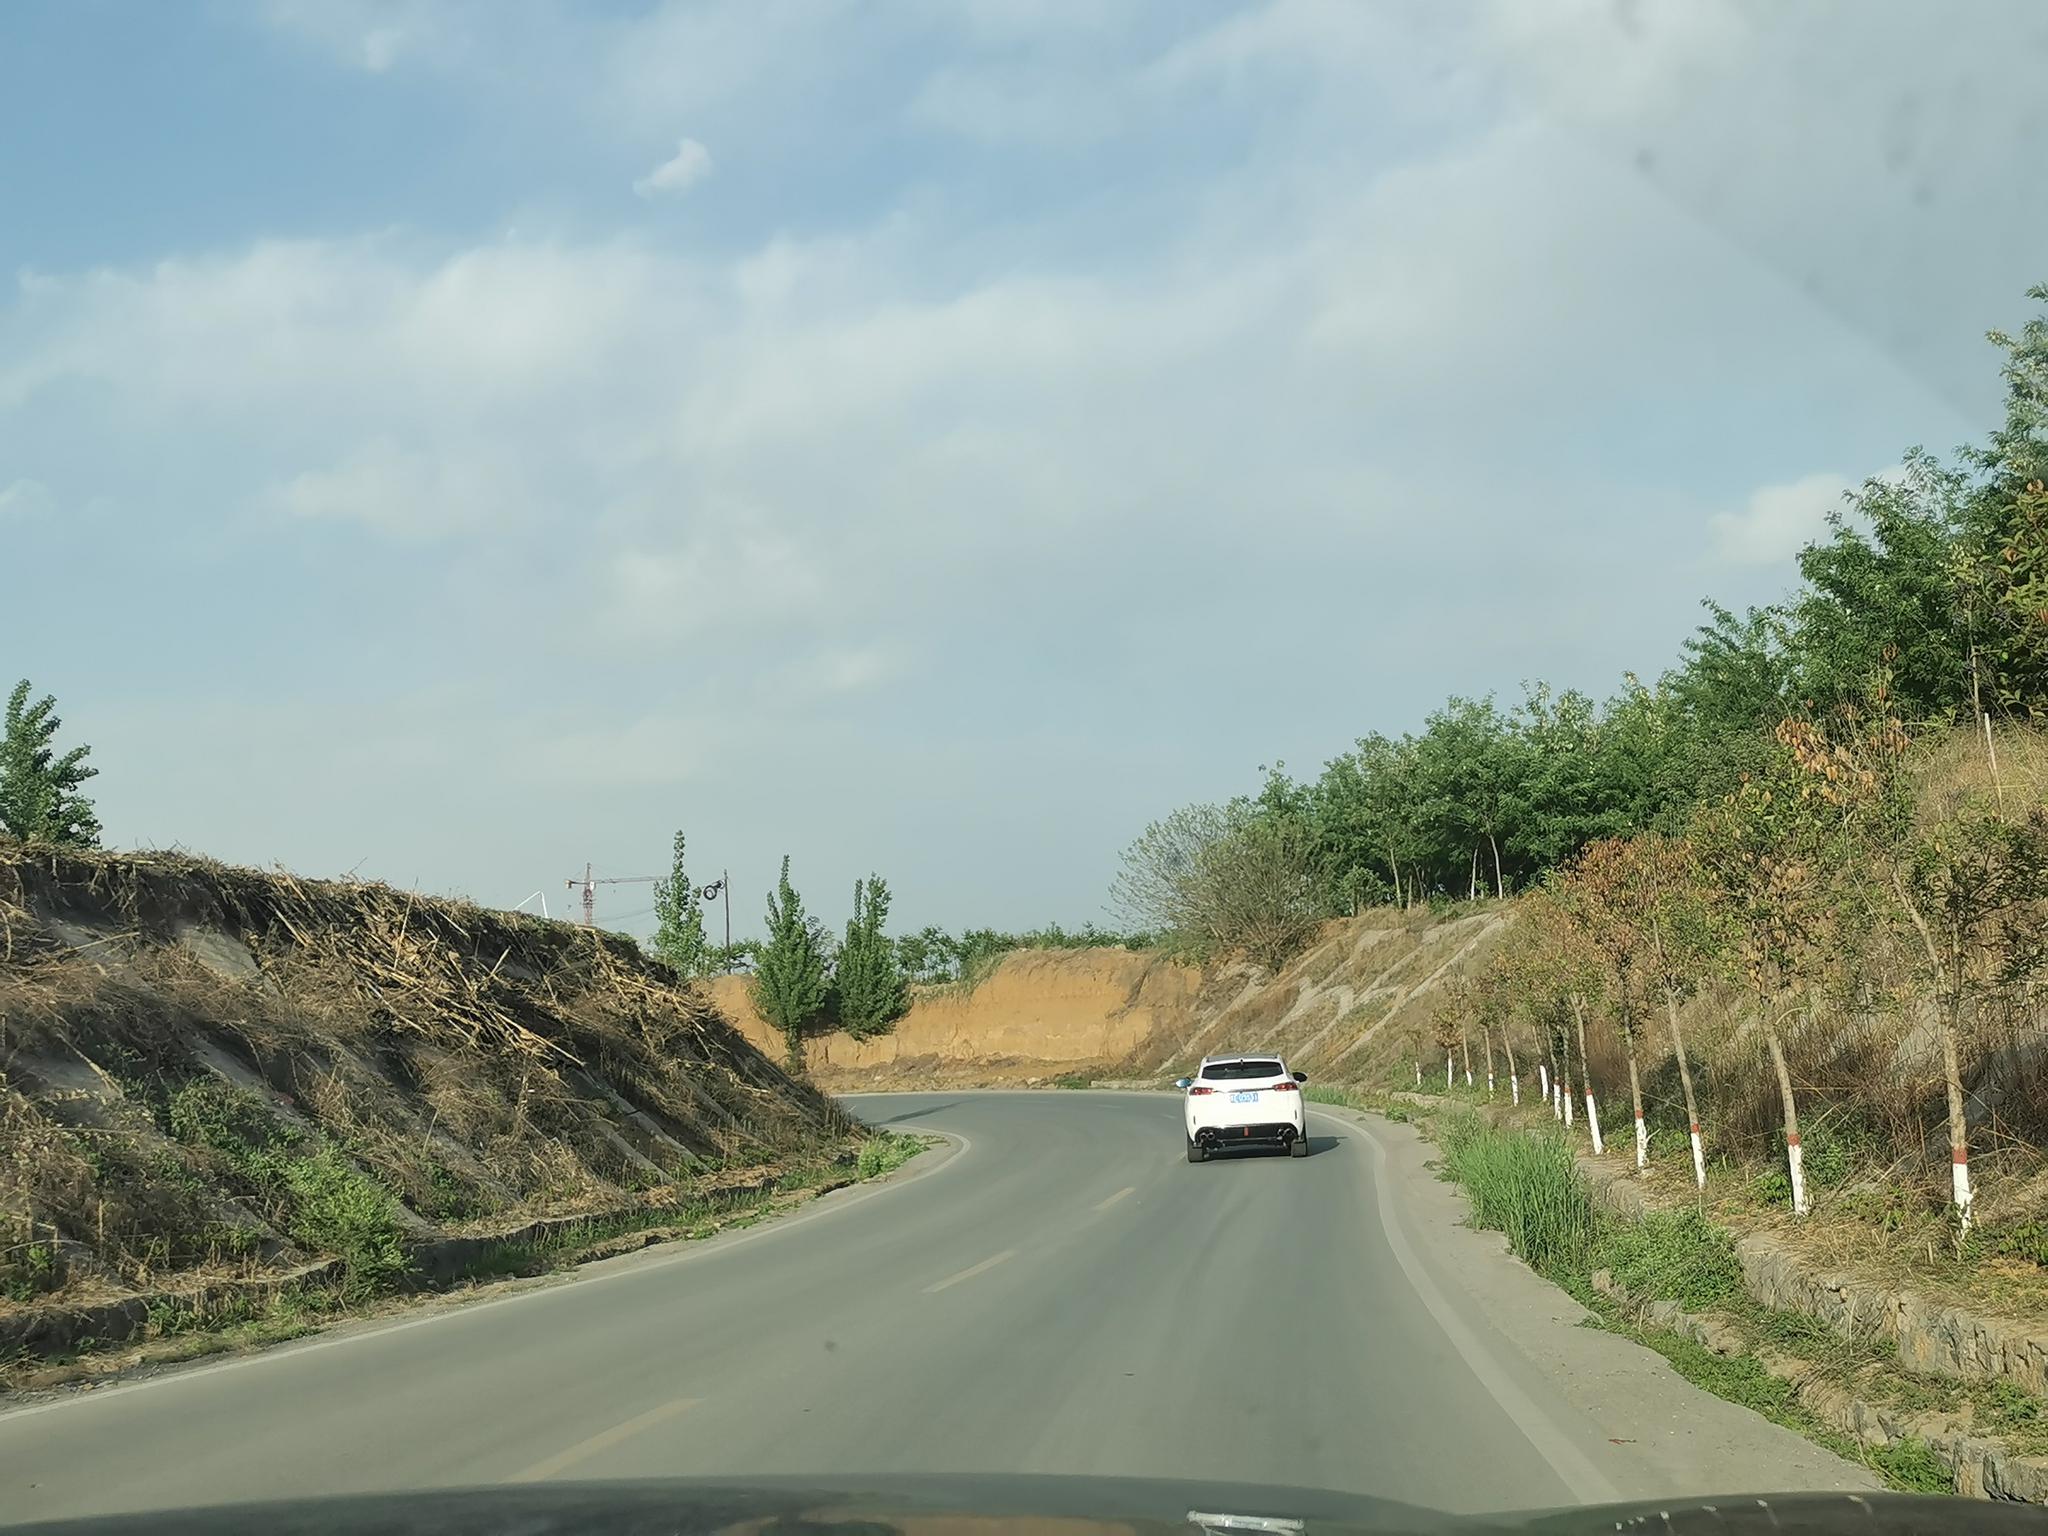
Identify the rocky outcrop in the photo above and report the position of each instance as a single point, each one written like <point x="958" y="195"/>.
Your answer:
<point x="1929" y="1337"/>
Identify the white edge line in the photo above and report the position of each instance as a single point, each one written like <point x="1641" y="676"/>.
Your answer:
<point x="1585" y="1480"/>
<point x="1129" y="1189"/>
<point x="595" y="1274"/>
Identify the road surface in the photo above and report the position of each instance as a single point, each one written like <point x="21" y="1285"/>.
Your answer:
<point x="1056" y="1291"/>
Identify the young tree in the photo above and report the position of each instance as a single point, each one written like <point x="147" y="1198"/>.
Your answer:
<point x="1557" y="977"/>
<point x="1576" y="974"/>
<point x="791" y="970"/>
<point x="1769" y="862"/>
<point x="1600" y="895"/>
<point x="1452" y="1013"/>
<point x="679" y="922"/>
<point x="1493" y="1001"/>
<point x="872" y="992"/>
<point x="1666" y="894"/>
<point x="1965" y="882"/>
<point x="39" y="791"/>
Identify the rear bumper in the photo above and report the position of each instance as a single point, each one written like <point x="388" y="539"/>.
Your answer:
<point x="1277" y="1133"/>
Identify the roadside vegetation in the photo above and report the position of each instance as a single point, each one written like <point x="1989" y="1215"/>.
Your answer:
<point x="234" y="1320"/>
<point x="1525" y="1185"/>
<point x="1781" y="915"/>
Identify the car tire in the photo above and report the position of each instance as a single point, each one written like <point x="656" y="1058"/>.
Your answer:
<point x="1197" y="1153"/>
<point x="1299" y="1146"/>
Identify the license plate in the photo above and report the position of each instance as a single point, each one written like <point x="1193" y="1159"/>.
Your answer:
<point x="1245" y="1098"/>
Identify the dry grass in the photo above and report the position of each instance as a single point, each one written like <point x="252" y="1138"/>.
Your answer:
<point x="204" y="1067"/>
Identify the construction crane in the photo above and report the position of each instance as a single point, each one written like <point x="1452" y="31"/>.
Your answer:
<point x="591" y="881"/>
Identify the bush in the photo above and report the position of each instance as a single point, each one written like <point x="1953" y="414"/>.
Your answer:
<point x="885" y="1153"/>
<point x="1525" y="1186"/>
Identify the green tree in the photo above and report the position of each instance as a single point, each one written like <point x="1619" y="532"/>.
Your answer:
<point x="1881" y="591"/>
<point x="1471" y="764"/>
<point x="871" y="991"/>
<point x="929" y="955"/>
<point x="39" y="791"/>
<point x="792" y="968"/>
<point x="679" y="922"/>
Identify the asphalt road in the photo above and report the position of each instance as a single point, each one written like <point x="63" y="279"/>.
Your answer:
<point x="1059" y="1291"/>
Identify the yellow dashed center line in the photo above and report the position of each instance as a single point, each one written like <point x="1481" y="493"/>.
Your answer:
<point x="563" y="1460"/>
<point x="969" y="1273"/>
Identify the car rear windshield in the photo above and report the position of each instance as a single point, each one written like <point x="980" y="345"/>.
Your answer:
<point x="1232" y="1071"/>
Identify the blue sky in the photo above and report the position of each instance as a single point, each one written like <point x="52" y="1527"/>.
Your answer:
<point x="455" y="441"/>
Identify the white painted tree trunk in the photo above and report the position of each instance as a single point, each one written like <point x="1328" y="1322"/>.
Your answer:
<point x="1418" y="1074"/>
<point x="1543" y="1075"/>
<point x="1635" y="1099"/>
<point x="1958" y="1121"/>
<point x="1448" y="1082"/>
<point x="1593" y="1122"/>
<point x="1699" y="1157"/>
<point x="1515" y="1086"/>
<point x="1794" y="1155"/>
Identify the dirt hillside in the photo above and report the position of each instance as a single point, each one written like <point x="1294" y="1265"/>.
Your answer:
<point x="1037" y="1012"/>
<point x="208" y="1071"/>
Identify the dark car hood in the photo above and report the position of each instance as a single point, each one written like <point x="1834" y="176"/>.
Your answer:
<point x="1022" y="1506"/>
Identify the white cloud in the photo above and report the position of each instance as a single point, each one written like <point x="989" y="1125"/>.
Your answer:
<point x="380" y="48"/>
<point x="1780" y="520"/>
<point x="690" y="164"/>
<point x="406" y="493"/>
<point x="994" y="450"/>
<point x="26" y="499"/>
<point x="733" y="576"/>
<point x="852" y="669"/>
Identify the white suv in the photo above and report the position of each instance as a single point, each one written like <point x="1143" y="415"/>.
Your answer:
<point x="1244" y="1101"/>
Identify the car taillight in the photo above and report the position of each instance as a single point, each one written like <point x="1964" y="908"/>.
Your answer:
<point x="1284" y="1087"/>
<point x="1197" y="1092"/>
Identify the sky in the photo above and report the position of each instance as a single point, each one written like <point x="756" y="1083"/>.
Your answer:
<point x="450" y="443"/>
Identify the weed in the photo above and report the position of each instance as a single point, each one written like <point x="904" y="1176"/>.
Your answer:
<point x="29" y="1270"/>
<point x="1073" y="1080"/>
<point x="1913" y="1466"/>
<point x="885" y="1153"/>
<point x="1676" y="1255"/>
<point x="340" y="1210"/>
<point x="1525" y="1186"/>
<point x="2023" y="1240"/>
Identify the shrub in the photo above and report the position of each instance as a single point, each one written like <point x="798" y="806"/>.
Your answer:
<point x="1525" y="1186"/>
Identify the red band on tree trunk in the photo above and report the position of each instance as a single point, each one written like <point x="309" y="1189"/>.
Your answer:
<point x="1695" y="1127"/>
<point x="1962" y="1154"/>
<point x="1791" y="1138"/>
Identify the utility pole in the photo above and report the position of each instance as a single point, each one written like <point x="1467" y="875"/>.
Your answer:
<point x="725" y="894"/>
<point x="591" y="881"/>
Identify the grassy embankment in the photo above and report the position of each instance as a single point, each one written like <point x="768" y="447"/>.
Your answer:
<point x="342" y="1212"/>
<point x="1524" y="1183"/>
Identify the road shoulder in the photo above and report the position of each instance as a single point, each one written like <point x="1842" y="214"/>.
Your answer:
<point x="1635" y="1421"/>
